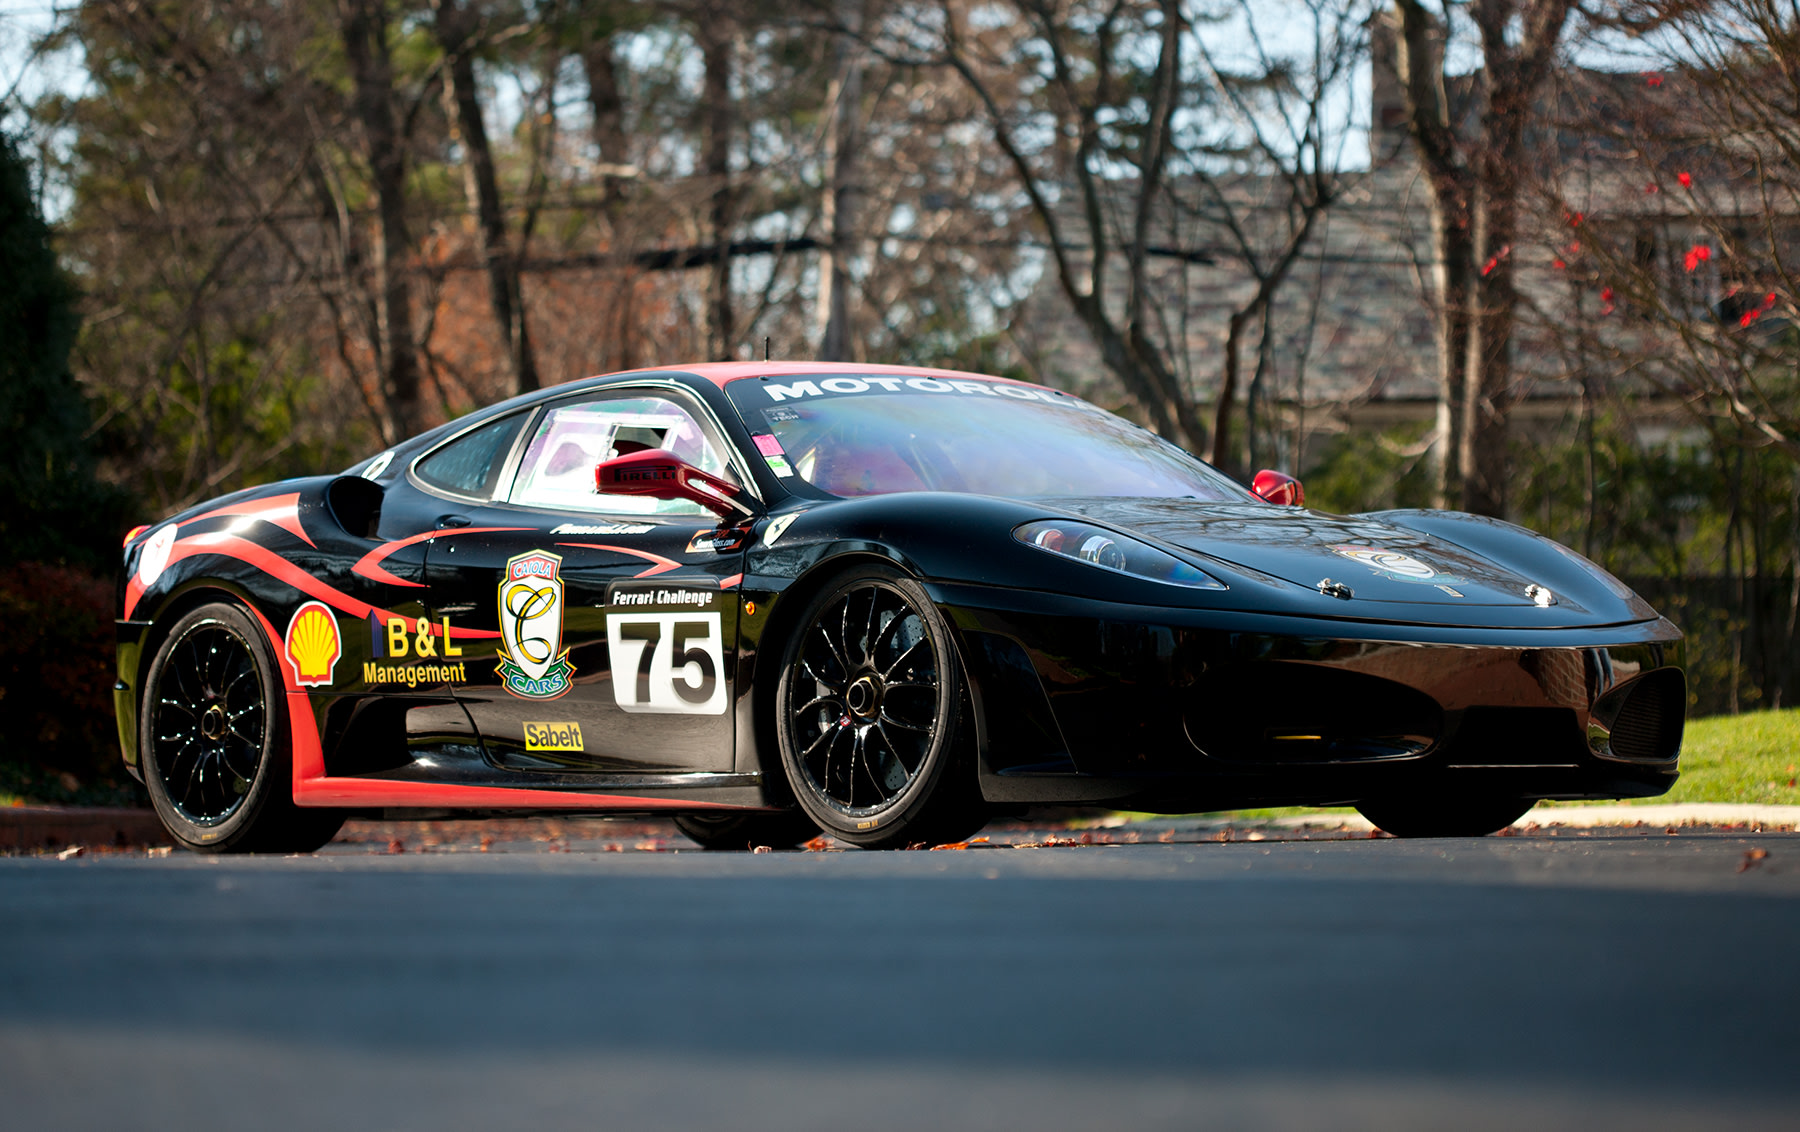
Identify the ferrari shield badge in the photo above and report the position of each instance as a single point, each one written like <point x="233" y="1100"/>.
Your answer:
<point x="533" y="664"/>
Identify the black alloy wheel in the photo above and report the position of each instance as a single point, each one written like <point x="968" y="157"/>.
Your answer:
<point x="872" y="721"/>
<point x="213" y="745"/>
<point x="1443" y="816"/>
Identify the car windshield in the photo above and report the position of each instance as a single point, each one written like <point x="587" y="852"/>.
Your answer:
<point x="868" y="434"/>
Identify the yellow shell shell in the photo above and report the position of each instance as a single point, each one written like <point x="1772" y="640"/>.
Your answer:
<point x="313" y="643"/>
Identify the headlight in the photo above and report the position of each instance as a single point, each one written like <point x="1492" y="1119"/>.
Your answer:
<point x="1110" y="550"/>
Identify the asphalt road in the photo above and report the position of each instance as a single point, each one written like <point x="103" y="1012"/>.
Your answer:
<point x="1620" y="979"/>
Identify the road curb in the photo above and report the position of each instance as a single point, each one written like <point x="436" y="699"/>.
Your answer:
<point x="53" y="827"/>
<point x="1570" y="817"/>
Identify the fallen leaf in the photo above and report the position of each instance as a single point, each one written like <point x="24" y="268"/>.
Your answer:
<point x="951" y="845"/>
<point x="72" y="852"/>
<point x="160" y="851"/>
<point x="761" y="849"/>
<point x="1166" y="836"/>
<point x="817" y="844"/>
<point x="978" y="841"/>
<point x="396" y="846"/>
<point x="487" y="842"/>
<point x="1752" y="858"/>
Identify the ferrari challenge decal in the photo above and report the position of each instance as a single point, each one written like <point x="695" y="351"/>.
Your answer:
<point x="667" y="663"/>
<point x="313" y="645"/>
<point x="553" y="737"/>
<point x="1393" y="564"/>
<point x="533" y="664"/>
<point x="662" y="597"/>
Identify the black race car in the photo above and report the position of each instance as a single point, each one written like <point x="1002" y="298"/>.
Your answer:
<point x="772" y="599"/>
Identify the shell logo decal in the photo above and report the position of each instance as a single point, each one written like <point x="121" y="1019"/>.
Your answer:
<point x="533" y="664"/>
<point x="1403" y="567"/>
<point x="313" y="644"/>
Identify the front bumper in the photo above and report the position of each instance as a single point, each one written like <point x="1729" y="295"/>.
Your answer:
<point x="1160" y="709"/>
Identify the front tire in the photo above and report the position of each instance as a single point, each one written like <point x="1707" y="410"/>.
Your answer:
<point x="1444" y="817"/>
<point x="215" y="744"/>
<point x="873" y="718"/>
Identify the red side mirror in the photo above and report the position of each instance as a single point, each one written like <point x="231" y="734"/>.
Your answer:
<point x="659" y="475"/>
<point x="1278" y="487"/>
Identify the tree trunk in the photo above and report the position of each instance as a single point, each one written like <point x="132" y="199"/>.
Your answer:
<point x="838" y="209"/>
<point x="1490" y="371"/>
<point x="717" y="43"/>
<point x="1420" y="64"/>
<point x="455" y="34"/>
<point x="363" y="24"/>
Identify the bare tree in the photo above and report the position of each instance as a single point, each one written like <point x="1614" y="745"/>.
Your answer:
<point x="1475" y="175"/>
<point x="457" y="30"/>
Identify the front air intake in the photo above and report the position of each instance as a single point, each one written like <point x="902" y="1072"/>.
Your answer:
<point x="1643" y="721"/>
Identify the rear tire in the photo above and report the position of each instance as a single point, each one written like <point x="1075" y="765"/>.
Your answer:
<point x="747" y="831"/>
<point x="215" y="744"/>
<point x="872" y="717"/>
<point x="1444" y="817"/>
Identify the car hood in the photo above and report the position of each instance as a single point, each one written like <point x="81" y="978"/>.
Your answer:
<point x="1378" y="561"/>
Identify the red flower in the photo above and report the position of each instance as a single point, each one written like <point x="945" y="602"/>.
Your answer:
<point x="1653" y="187"/>
<point x="1697" y="255"/>
<point x="1686" y="179"/>
<point x="1575" y="219"/>
<point x="1606" y="294"/>
<point x="1769" y="300"/>
<point x="1749" y="317"/>
<point x="1652" y="79"/>
<point x="1558" y="264"/>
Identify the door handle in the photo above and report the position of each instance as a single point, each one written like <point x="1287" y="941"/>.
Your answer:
<point x="446" y="521"/>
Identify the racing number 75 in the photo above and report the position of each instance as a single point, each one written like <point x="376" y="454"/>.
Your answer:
<point x="677" y="660"/>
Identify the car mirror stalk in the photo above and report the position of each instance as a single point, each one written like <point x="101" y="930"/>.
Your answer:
<point x="658" y="475"/>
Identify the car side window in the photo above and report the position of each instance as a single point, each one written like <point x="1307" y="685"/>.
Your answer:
<point x="471" y="464"/>
<point x="572" y="437"/>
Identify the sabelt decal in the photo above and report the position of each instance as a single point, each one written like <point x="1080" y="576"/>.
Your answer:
<point x="533" y="664"/>
<point x="553" y="737"/>
<point x="668" y="663"/>
<point x="313" y="644"/>
<point x="154" y="558"/>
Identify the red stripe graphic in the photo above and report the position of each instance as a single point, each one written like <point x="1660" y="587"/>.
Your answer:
<point x="230" y="546"/>
<point x="663" y="565"/>
<point x="369" y="564"/>
<point x="282" y="510"/>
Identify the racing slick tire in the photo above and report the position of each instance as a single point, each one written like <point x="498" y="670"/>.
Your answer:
<point x="214" y="743"/>
<point x="747" y="831"/>
<point x="872" y="716"/>
<point x="1424" y="816"/>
